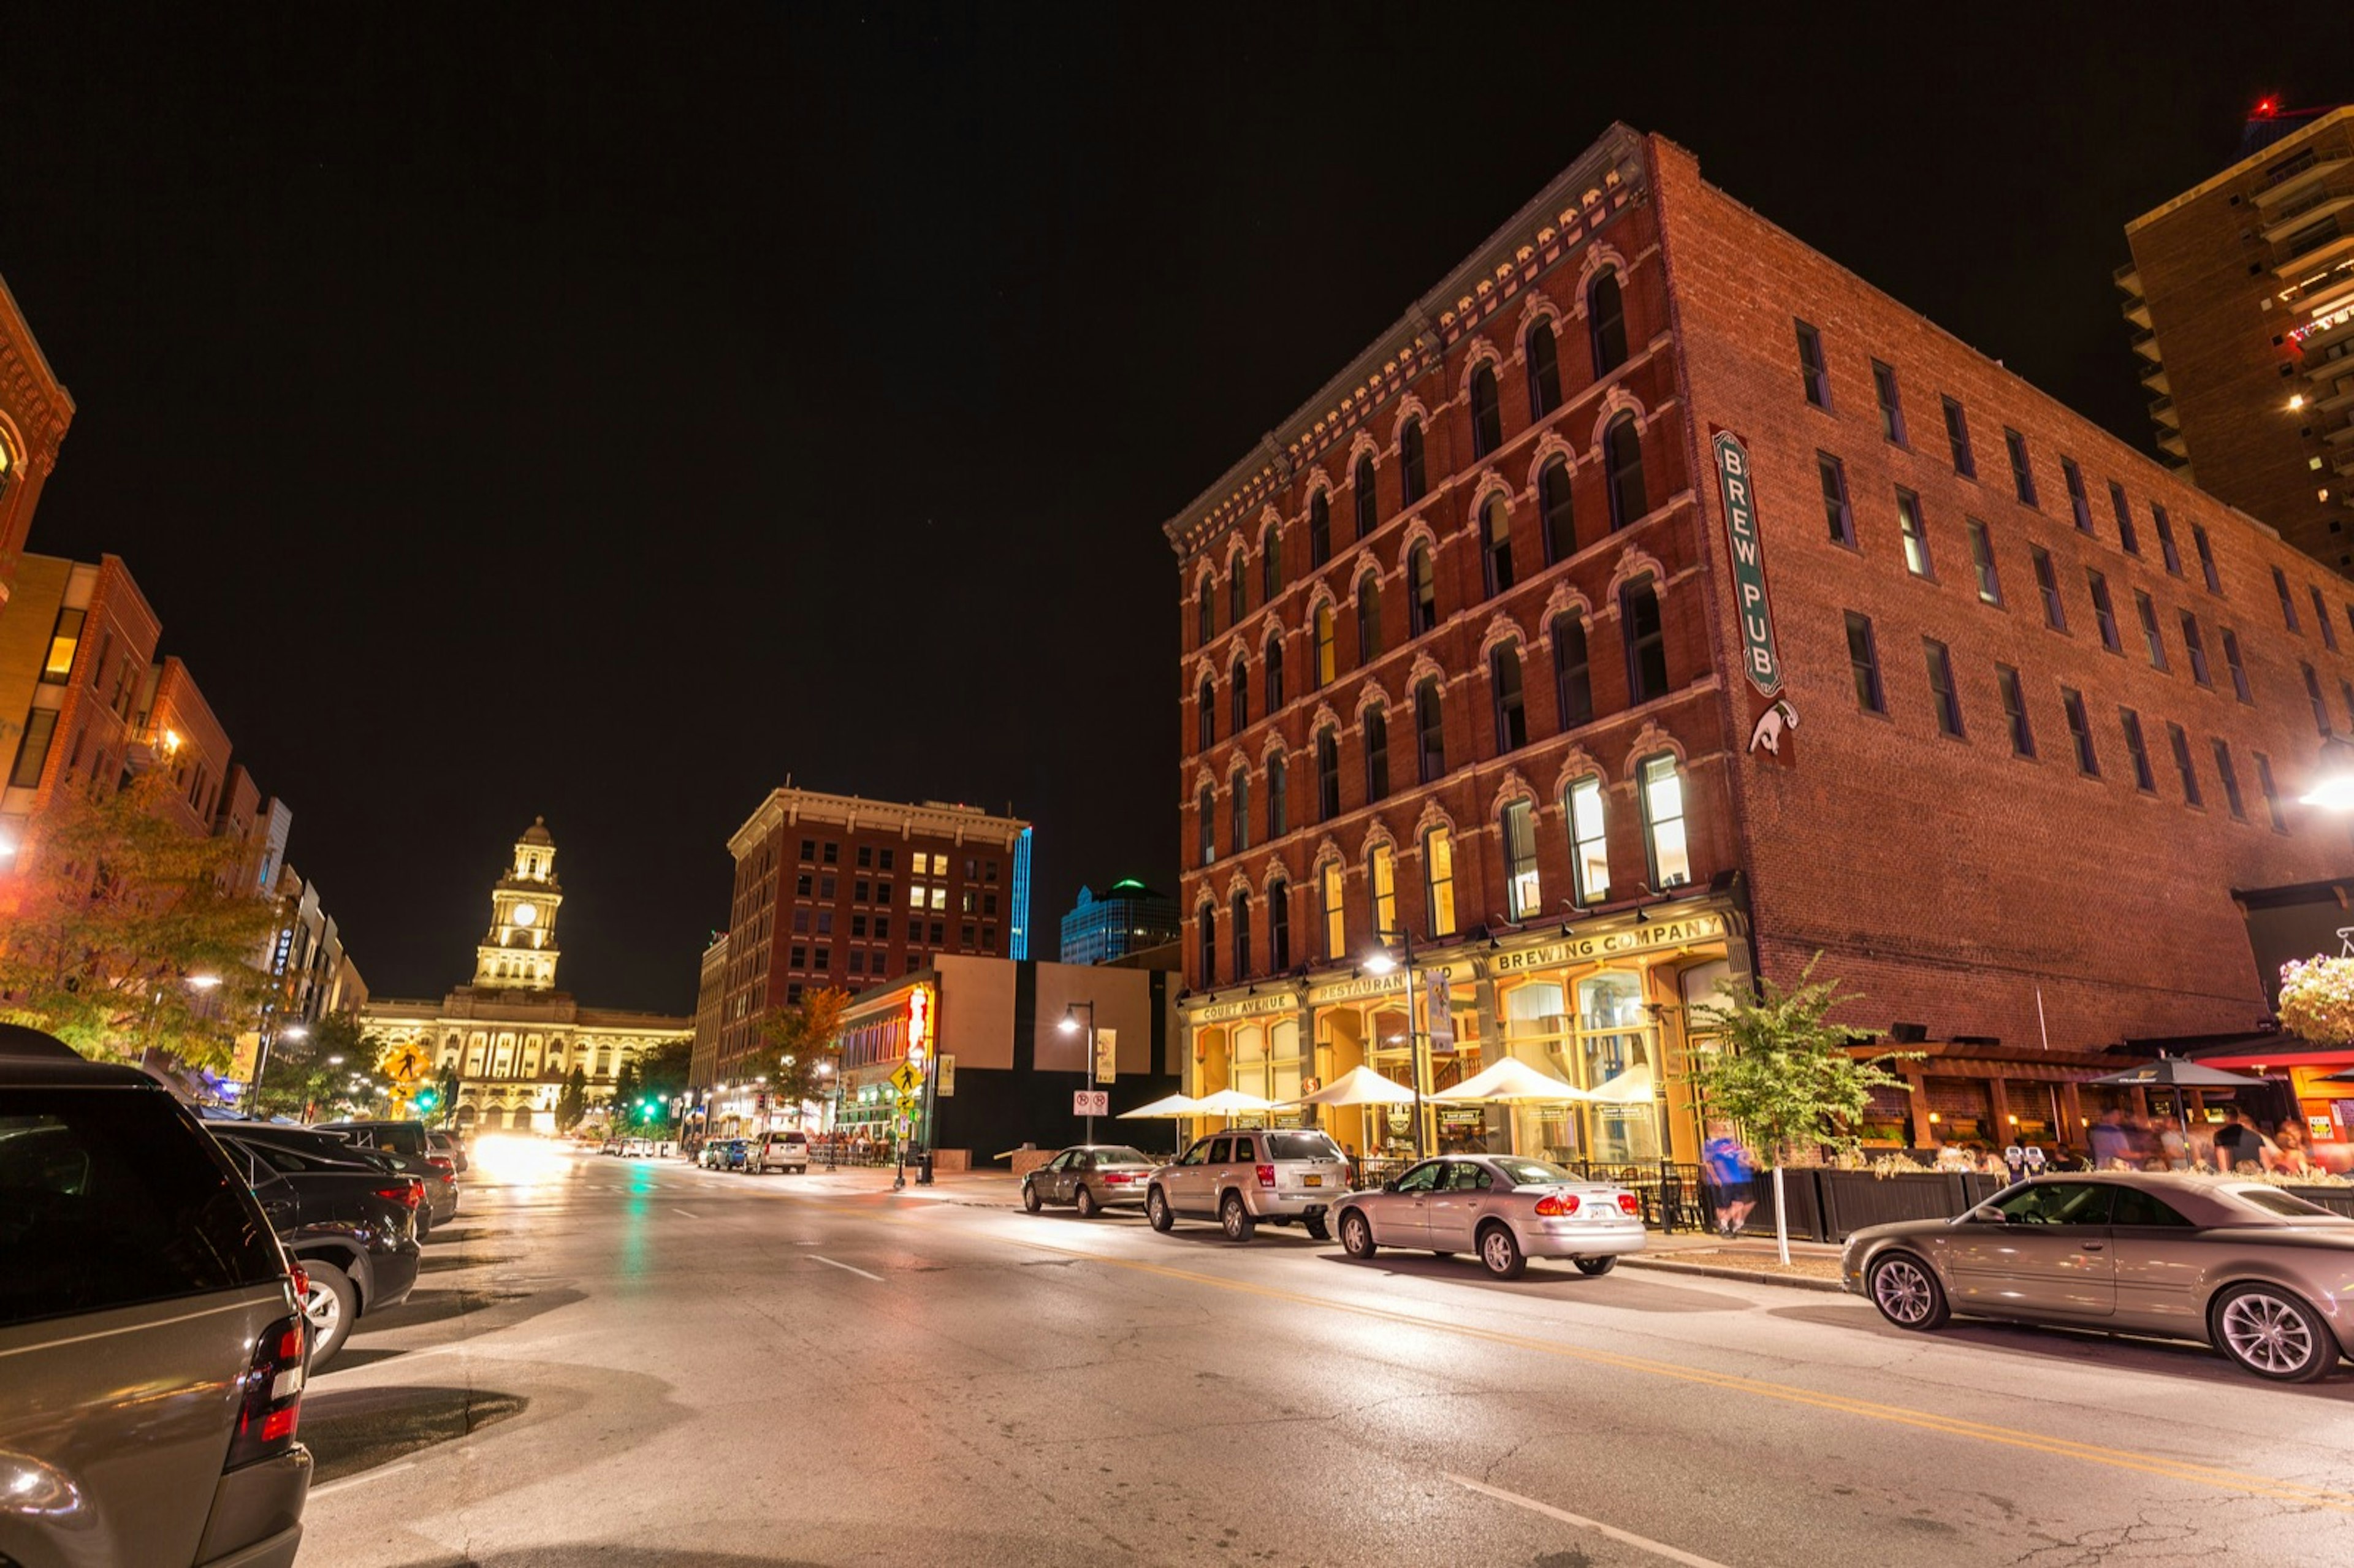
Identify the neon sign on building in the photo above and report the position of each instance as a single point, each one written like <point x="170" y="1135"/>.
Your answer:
<point x="919" y="1022"/>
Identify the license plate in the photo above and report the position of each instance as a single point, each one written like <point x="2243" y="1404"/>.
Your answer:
<point x="1311" y="1180"/>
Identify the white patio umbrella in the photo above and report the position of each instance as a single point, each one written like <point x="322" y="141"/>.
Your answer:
<point x="1359" y="1086"/>
<point x="1512" y="1082"/>
<point x="1168" y="1108"/>
<point x="1231" y="1102"/>
<point x="1632" y="1088"/>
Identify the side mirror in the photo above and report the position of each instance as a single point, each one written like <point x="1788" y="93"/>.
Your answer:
<point x="1987" y="1215"/>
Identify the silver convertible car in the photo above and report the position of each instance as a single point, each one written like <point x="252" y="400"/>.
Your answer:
<point x="1502" y="1207"/>
<point x="2260" y="1273"/>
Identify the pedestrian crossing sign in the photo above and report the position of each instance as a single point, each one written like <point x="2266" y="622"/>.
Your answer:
<point x="906" y="1106"/>
<point x="906" y="1079"/>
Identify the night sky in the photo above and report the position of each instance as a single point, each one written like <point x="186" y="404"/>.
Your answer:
<point x="512" y="412"/>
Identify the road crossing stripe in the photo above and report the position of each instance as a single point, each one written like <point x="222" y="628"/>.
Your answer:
<point x="1625" y="1537"/>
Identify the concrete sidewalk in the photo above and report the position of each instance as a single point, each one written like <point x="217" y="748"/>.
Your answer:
<point x="978" y="1188"/>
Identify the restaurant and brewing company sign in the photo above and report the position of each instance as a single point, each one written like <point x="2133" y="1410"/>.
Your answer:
<point x="1763" y="665"/>
<point x="1651" y="934"/>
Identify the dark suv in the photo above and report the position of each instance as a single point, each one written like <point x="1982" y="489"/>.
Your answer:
<point x="405" y="1145"/>
<point x="152" y="1338"/>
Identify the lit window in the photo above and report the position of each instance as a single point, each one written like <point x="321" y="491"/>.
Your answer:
<point x="1438" y="880"/>
<point x="1382" y="873"/>
<point x="56" y="666"/>
<point x="1331" y="912"/>
<point x="1589" y="843"/>
<point x="1663" y="822"/>
<point x="1327" y="665"/>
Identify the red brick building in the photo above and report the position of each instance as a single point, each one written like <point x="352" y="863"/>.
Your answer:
<point x="1495" y="644"/>
<point x="35" y="410"/>
<point x="832" y="890"/>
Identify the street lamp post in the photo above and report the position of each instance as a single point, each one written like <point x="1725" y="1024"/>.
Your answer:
<point x="2333" y="786"/>
<point x="262" y="1058"/>
<point x="1381" y="963"/>
<point x="834" y="1131"/>
<point x="1070" y="1026"/>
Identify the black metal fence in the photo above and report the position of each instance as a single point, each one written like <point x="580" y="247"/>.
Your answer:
<point x="1830" y="1205"/>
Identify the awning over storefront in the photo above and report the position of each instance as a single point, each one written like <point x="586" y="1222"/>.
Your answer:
<point x="2299" y="1055"/>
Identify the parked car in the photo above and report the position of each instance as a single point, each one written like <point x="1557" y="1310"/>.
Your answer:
<point x="787" y="1150"/>
<point x="2257" y="1273"/>
<point x="1243" y="1176"/>
<point x="450" y="1145"/>
<point x="352" y="1228"/>
<point x="1503" y="1208"/>
<point x="1091" y="1176"/>
<point x="150" y="1327"/>
<point x="406" y="1145"/>
<point x="734" y="1152"/>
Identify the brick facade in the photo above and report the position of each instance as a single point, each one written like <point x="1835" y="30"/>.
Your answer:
<point x="35" y="410"/>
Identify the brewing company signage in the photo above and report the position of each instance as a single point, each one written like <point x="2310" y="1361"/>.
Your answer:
<point x="1763" y="665"/>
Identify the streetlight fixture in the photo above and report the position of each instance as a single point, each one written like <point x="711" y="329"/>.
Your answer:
<point x="1380" y="962"/>
<point x="262" y="1052"/>
<point x="2333" y="784"/>
<point x="1070" y="1026"/>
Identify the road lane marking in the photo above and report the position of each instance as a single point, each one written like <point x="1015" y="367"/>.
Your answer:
<point x="376" y="1475"/>
<point x="688" y="1212"/>
<point x="1624" y="1537"/>
<point x="2273" y="1486"/>
<point x="846" y="1269"/>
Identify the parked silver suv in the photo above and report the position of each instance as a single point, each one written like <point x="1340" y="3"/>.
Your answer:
<point x="1243" y="1175"/>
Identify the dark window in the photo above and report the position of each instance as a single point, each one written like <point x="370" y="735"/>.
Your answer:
<point x="1369" y="619"/>
<point x="1320" y="519"/>
<point x="33" y="749"/>
<point x="2126" y="535"/>
<point x="866" y="860"/>
<point x="1646" y="638"/>
<point x="2149" y="633"/>
<point x="1205" y="720"/>
<point x="1279" y="925"/>
<point x="1863" y="658"/>
<point x="1377" y="754"/>
<point x="1278" y="804"/>
<point x="1504" y="682"/>
<point x="2023" y="477"/>
<point x="1274" y="673"/>
<point x="1413" y="484"/>
<point x="2137" y="748"/>
<point x="1238" y="685"/>
<point x="1813" y="374"/>
<point x="2104" y="612"/>
<point x="1892" y="409"/>
<point x="1207" y="805"/>
<point x="1958" y="437"/>
<point x="1201" y="627"/>
<point x="1982" y="557"/>
<point x="1238" y="813"/>
<point x="1208" y="917"/>
<point x="1544" y="371"/>
<point x="1369" y="502"/>
<point x="1622" y="448"/>
<point x="1328" y="775"/>
<point x="2288" y="605"/>
<point x="1496" y="544"/>
<point x="1838" y="515"/>
<point x="2080" y="730"/>
<point x="2166" y="547"/>
<point x="1605" y="322"/>
<point x="1522" y="897"/>
<point x="809" y="846"/>
<point x="1559" y="512"/>
<point x="1429" y="733"/>
<point x="2321" y="618"/>
<point x="802" y="885"/>
<point x="2194" y="646"/>
<point x="2014" y="710"/>
<point x="2228" y="777"/>
<point x="1572" y="674"/>
<point x="2239" y="671"/>
<point x="1942" y="694"/>
<point x="1916" y="532"/>
<point x="2206" y="548"/>
<point x="2047" y="583"/>
<point x="1241" y="922"/>
<point x="2181" y="743"/>
<point x="1487" y="412"/>
<point x="2271" y="792"/>
<point x="1236" y="582"/>
<point x="1270" y="563"/>
<point x="2313" y="692"/>
<point x="2080" y="507"/>
<point x="1421" y="589"/>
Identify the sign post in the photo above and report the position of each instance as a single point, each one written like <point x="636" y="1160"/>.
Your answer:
<point x="1091" y="1103"/>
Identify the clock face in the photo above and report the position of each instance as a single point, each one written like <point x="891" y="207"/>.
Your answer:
<point x="524" y="914"/>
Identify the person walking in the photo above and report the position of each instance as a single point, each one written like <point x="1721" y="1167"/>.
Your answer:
<point x="2237" y="1146"/>
<point x="2109" y="1140"/>
<point x="1731" y="1178"/>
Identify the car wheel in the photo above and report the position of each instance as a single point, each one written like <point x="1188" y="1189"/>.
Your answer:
<point x="1357" y="1236"/>
<point x="1240" y="1226"/>
<point x="1156" y="1211"/>
<point x="1595" y="1266"/>
<point x="1906" y="1291"/>
<point x="2273" y="1334"/>
<point x="1085" y="1202"/>
<point x="1318" y="1227"/>
<point x="332" y="1306"/>
<point x="1030" y="1197"/>
<point x="1500" y="1249"/>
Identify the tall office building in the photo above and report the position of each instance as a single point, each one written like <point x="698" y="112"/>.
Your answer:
<point x="1126" y="918"/>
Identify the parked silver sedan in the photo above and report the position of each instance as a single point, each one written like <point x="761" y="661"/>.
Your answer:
<point x="1505" y="1208"/>
<point x="2260" y="1273"/>
<point x="1091" y="1176"/>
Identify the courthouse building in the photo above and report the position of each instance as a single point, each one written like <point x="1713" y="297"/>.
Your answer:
<point x="1657" y="603"/>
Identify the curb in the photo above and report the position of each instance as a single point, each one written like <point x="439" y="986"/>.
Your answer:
<point x="1746" y="1275"/>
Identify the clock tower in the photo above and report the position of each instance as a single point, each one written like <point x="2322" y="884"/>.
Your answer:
<point x="519" y="952"/>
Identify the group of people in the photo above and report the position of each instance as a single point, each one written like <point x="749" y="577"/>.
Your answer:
<point x="2120" y="1141"/>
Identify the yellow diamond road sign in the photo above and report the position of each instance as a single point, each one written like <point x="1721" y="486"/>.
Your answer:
<point x="906" y="1105"/>
<point x="906" y="1079"/>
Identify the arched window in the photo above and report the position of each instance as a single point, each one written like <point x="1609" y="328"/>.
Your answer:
<point x="1278" y="808"/>
<point x="1504" y="682"/>
<point x="1429" y="734"/>
<point x="1573" y="676"/>
<point x="1523" y="895"/>
<point x="1377" y="754"/>
<point x="1206" y="717"/>
<point x="1369" y="505"/>
<point x="1206" y="804"/>
<point x="1606" y="323"/>
<point x="1271" y="565"/>
<point x="1422" y="582"/>
<point x="1496" y="545"/>
<point x="1558" y="511"/>
<point x="1381" y="875"/>
<point x="1662" y="788"/>
<point x="1369" y="617"/>
<point x="1487" y="412"/>
<point x="1327" y="774"/>
<point x="1413" y="483"/>
<point x="1208" y="918"/>
<point x="1327" y="658"/>
<point x="1201" y="616"/>
<point x="1589" y="845"/>
<point x="1623" y="452"/>
<point x="1275" y="672"/>
<point x="1331" y="911"/>
<point x="1237" y="582"/>
<point x="1240" y="687"/>
<point x="1242" y="923"/>
<point x="1279" y="925"/>
<point x="1238" y="825"/>
<point x="1319" y="529"/>
<point x="1438" y="880"/>
<point x="1544" y="371"/>
<point x="1646" y="648"/>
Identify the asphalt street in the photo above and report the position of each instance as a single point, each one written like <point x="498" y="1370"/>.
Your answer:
<point x="639" y="1363"/>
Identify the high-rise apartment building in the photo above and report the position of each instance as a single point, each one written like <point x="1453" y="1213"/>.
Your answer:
<point x="2241" y="294"/>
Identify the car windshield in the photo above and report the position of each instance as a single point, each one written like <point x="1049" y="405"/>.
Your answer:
<point x="2273" y="1200"/>
<point x="1302" y="1146"/>
<point x="1533" y="1172"/>
<point x="1121" y="1154"/>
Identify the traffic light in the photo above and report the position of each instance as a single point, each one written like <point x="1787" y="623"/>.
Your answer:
<point x="428" y="1100"/>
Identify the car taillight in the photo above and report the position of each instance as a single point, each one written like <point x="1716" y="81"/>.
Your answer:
<point x="1117" y="1178"/>
<point x="442" y="1164"/>
<point x="1267" y="1175"/>
<point x="1627" y="1205"/>
<point x="272" y="1400"/>
<point x="1553" y="1205"/>
<point x="407" y="1194"/>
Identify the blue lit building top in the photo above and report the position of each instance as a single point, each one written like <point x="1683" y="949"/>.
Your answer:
<point x="1127" y="919"/>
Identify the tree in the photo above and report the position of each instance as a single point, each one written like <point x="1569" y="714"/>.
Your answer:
<point x="807" y="1038"/>
<point x="446" y="1084"/>
<point x="572" y="1100"/>
<point x="625" y="1093"/>
<point x="1785" y="1073"/>
<point x="117" y="906"/>
<point x="300" y="1079"/>
<point x="663" y="1070"/>
<point x="2316" y="999"/>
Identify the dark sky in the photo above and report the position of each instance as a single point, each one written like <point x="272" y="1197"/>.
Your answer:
<point x="604" y="414"/>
